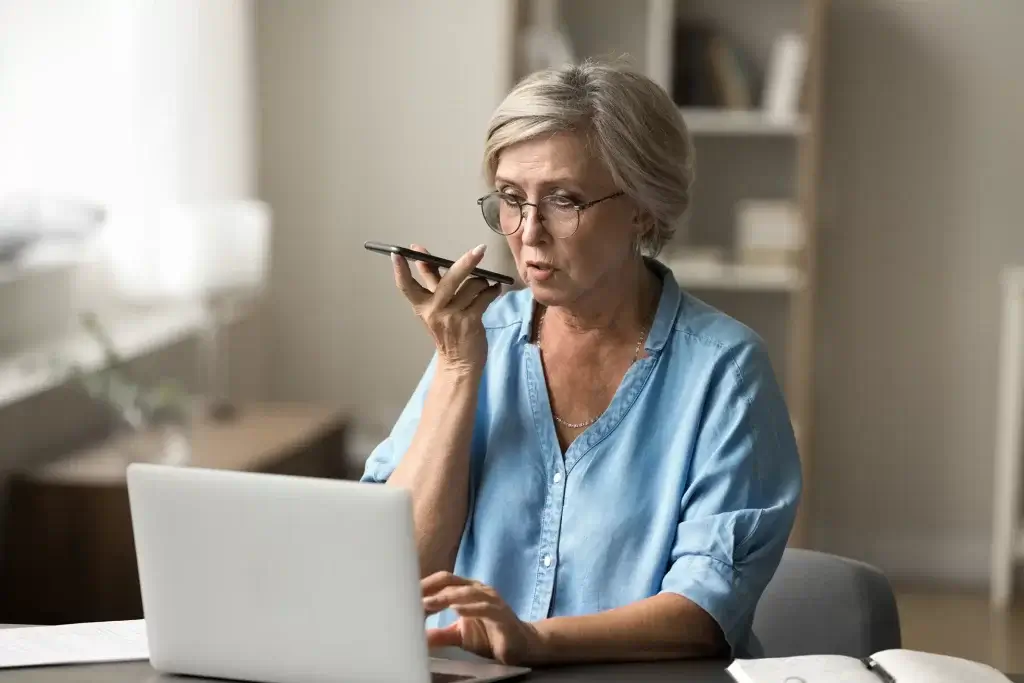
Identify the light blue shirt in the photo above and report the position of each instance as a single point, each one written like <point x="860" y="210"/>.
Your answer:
<point x="687" y="484"/>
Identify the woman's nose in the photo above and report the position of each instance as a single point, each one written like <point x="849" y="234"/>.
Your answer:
<point x="533" y="228"/>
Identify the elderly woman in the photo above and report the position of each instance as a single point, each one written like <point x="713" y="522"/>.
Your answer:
<point x="601" y="466"/>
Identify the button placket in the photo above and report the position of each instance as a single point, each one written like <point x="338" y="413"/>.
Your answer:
<point x="547" y="562"/>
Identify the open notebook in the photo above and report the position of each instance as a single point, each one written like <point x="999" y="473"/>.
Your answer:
<point x="889" y="666"/>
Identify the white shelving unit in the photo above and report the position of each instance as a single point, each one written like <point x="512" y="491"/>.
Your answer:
<point x="741" y="154"/>
<point x="741" y="123"/>
<point x="737" y="277"/>
<point x="45" y="260"/>
<point x="1008" y="525"/>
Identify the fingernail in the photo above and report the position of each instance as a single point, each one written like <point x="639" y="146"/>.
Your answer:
<point x="394" y="259"/>
<point x="479" y="250"/>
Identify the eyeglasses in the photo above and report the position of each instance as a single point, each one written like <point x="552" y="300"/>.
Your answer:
<point x="504" y="213"/>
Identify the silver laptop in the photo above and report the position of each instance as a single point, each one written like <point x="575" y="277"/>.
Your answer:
<point x="282" y="579"/>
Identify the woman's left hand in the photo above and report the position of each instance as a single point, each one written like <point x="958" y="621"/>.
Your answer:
<point x="486" y="626"/>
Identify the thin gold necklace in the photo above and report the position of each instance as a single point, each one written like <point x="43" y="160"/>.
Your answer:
<point x="581" y="425"/>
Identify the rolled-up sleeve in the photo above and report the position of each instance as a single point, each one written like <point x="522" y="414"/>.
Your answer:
<point x="740" y="500"/>
<point x="386" y="456"/>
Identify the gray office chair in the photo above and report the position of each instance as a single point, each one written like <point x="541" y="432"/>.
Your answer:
<point x="825" y="604"/>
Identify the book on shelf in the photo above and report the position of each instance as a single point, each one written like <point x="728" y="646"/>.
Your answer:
<point x="784" y="78"/>
<point x="710" y="71"/>
<point x="731" y="77"/>
<point x="888" y="666"/>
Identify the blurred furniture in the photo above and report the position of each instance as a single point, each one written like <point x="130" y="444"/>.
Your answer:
<point x="40" y="233"/>
<point x="728" y="64"/>
<point x="69" y="554"/>
<point x="1008" y="527"/>
<point x="819" y="603"/>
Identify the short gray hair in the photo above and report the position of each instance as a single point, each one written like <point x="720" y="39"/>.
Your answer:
<point x="630" y="122"/>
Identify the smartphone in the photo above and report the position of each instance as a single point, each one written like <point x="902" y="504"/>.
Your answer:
<point x="435" y="261"/>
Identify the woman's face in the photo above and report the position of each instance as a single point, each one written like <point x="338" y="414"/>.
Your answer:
<point x="559" y="270"/>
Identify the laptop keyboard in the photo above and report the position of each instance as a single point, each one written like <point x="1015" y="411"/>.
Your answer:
<point x="436" y="677"/>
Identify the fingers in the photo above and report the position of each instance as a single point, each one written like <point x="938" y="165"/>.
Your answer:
<point x="429" y="273"/>
<point x="439" y="580"/>
<point x="450" y="636"/>
<point x="444" y="589"/>
<point x="480" y="610"/>
<point x="453" y="594"/>
<point x="458" y="289"/>
<point x="404" y="280"/>
<point x="460" y="270"/>
<point x="467" y="293"/>
<point x="484" y="299"/>
<point x="457" y="596"/>
<point x="451" y="307"/>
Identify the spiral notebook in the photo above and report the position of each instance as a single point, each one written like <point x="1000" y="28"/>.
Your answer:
<point x="888" y="666"/>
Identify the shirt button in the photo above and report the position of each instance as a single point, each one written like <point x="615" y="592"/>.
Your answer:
<point x="547" y="560"/>
<point x="558" y="477"/>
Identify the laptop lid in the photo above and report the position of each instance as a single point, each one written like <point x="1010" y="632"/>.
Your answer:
<point x="277" y="578"/>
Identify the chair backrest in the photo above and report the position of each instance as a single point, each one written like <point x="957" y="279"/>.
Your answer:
<point x="825" y="604"/>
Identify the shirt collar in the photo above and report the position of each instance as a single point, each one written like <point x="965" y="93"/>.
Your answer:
<point x="664" y="317"/>
<point x="668" y="307"/>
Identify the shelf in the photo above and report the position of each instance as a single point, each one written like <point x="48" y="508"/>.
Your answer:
<point x="44" y="259"/>
<point x="737" y="277"/>
<point x="740" y="123"/>
<point x="134" y="334"/>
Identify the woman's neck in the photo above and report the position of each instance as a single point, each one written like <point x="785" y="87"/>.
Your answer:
<point x="622" y="305"/>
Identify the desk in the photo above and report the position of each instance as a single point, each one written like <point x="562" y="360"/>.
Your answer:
<point x="662" y="672"/>
<point x="139" y="672"/>
<point x="69" y="554"/>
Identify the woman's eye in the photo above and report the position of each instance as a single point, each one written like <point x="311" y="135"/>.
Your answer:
<point x="510" y="198"/>
<point x="561" y="202"/>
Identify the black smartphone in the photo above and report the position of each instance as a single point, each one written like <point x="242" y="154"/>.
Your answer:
<point x="434" y="261"/>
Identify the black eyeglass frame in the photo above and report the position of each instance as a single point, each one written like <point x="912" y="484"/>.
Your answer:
<point x="580" y="208"/>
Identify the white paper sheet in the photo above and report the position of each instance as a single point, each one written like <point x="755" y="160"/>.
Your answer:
<point x="103" y="641"/>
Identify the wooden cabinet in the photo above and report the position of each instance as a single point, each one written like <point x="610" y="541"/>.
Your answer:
<point x="69" y="555"/>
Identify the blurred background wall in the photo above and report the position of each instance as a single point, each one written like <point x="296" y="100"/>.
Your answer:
<point x="371" y="128"/>
<point x="923" y="145"/>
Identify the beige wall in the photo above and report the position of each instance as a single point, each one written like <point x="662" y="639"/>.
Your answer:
<point x="373" y="116"/>
<point x="923" y="165"/>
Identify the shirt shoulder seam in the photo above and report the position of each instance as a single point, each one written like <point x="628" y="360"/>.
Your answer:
<point x="702" y="338"/>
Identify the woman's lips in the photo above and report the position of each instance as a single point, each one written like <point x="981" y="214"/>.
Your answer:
<point x="539" y="271"/>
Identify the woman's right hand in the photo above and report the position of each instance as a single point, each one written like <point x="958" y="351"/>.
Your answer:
<point x="451" y="306"/>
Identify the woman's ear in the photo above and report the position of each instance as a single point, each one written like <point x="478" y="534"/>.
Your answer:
<point x="642" y="225"/>
<point x="642" y="222"/>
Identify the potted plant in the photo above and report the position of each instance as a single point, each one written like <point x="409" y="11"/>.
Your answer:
<point x="153" y="417"/>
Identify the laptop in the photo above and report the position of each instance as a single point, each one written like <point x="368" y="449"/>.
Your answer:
<point x="284" y="579"/>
